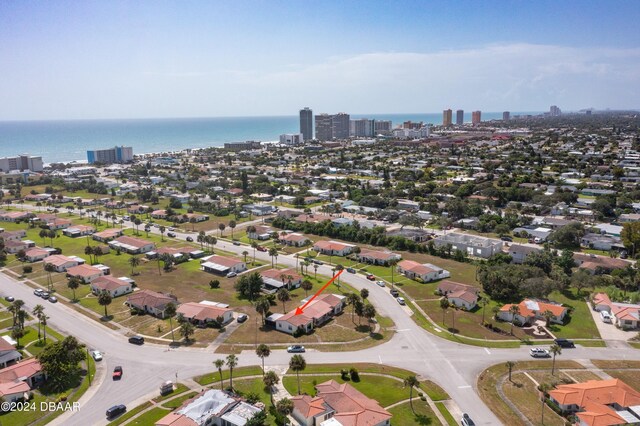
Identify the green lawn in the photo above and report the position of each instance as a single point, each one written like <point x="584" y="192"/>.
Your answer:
<point x="131" y="413"/>
<point x="214" y="377"/>
<point x="581" y="324"/>
<point x="149" y="418"/>
<point x="446" y="414"/>
<point x="176" y="402"/>
<point x="403" y="416"/>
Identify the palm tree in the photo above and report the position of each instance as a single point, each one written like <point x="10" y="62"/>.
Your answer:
<point x="254" y="246"/>
<point x="232" y="361"/>
<point x="73" y="284"/>
<point x="219" y="363"/>
<point x="284" y="407"/>
<point x="412" y="382"/>
<point x="483" y="302"/>
<point x="392" y="264"/>
<point x="37" y="312"/>
<point x="263" y="352"/>
<point x="186" y="330"/>
<point x="245" y="254"/>
<point x="43" y="320"/>
<point x="544" y="389"/>
<point x="353" y="299"/>
<point x="273" y="252"/>
<point x="444" y="305"/>
<point x="513" y="310"/>
<point x="170" y="311"/>
<point x="555" y="350"/>
<point x="134" y="261"/>
<point x="104" y="299"/>
<point x="270" y="379"/>
<point x="221" y="227"/>
<point x="547" y="315"/>
<point x="369" y="312"/>
<point x="284" y="296"/>
<point x="200" y="239"/>
<point x="15" y="308"/>
<point x="297" y="364"/>
<point x="262" y="306"/>
<point x="364" y="293"/>
<point x="232" y="225"/>
<point x="339" y="268"/>
<point x="315" y="270"/>
<point x="49" y="268"/>
<point x="162" y="230"/>
<point x="510" y="365"/>
<point x="306" y="286"/>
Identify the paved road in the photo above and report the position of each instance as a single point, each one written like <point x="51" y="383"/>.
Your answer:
<point x="455" y="367"/>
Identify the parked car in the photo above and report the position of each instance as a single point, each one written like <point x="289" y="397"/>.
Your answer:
<point x="136" y="340"/>
<point x="539" y="353"/>
<point x="507" y="239"/>
<point x="9" y="298"/>
<point x="260" y="248"/>
<point x="166" y="387"/>
<point x="115" y="411"/>
<point x="242" y="318"/>
<point x="380" y="283"/>
<point x="53" y="299"/>
<point x="351" y="270"/>
<point x="117" y="373"/>
<point x="317" y="262"/>
<point x="394" y="292"/>
<point x="97" y="356"/>
<point x="466" y="420"/>
<point x="171" y="228"/>
<point x="624" y="254"/>
<point x="565" y="343"/>
<point x="189" y="239"/>
<point x="231" y="274"/>
<point x="37" y="292"/>
<point x="371" y="277"/>
<point x="236" y="242"/>
<point x="45" y="295"/>
<point x="401" y="300"/>
<point x="295" y="349"/>
<point x="537" y="240"/>
<point x="171" y="234"/>
<point x="606" y="317"/>
<point x="127" y="218"/>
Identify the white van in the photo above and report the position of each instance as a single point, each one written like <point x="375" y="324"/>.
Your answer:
<point x="606" y="317"/>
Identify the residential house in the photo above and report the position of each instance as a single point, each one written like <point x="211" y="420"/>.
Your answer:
<point x="107" y="235"/>
<point x="275" y="279"/>
<point x="599" y="264"/>
<point x="150" y="302"/>
<point x="424" y="271"/>
<point x="520" y="252"/>
<point x="531" y="310"/>
<point x="261" y="233"/>
<point x="131" y="245"/>
<point x="222" y="265"/>
<point x="15" y="216"/>
<point x="61" y="262"/>
<point x="295" y="239"/>
<point x="316" y="313"/>
<point x="472" y="245"/>
<point x="601" y="302"/>
<point x="414" y="234"/>
<point x="85" y="273"/>
<point x="20" y="378"/>
<point x="204" y="313"/>
<point x="600" y="242"/>
<point x="460" y="295"/>
<point x="626" y="315"/>
<point x="79" y="231"/>
<point x="13" y="247"/>
<point x="599" y="402"/>
<point x="8" y="354"/>
<point x="35" y="254"/>
<point x="312" y="218"/>
<point x="333" y="248"/>
<point x="159" y="214"/>
<point x="338" y="404"/>
<point x="212" y="407"/>
<point x="377" y="257"/>
<point x="58" y="223"/>
<point x="115" y="286"/>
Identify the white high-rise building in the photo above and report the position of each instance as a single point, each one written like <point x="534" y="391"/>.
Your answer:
<point x="292" y="139"/>
<point x="21" y="162"/>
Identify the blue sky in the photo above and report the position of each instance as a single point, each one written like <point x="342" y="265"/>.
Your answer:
<point x="113" y="59"/>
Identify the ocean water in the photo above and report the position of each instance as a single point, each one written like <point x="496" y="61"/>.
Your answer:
<point x="69" y="140"/>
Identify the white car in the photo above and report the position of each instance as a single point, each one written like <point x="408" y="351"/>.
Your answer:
<point x="606" y="317"/>
<point x="539" y="353"/>
<point x="231" y="274"/>
<point x="401" y="300"/>
<point x="96" y="355"/>
<point x="380" y="283"/>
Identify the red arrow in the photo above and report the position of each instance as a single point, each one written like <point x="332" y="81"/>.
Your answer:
<point x="300" y="309"/>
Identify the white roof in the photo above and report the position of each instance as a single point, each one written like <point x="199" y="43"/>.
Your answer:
<point x="212" y="402"/>
<point x="215" y="266"/>
<point x="218" y="304"/>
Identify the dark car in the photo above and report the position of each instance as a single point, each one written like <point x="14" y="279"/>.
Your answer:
<point x="466" y="420"/>
<point x="564" y="343"/>
<point x="189" y="239"/>
<point x="317" y="262"/>
<point x="507" y="239"/>
<point x="136" y="340"/>
<point x="171" y="234"/>
<point x="116" y="410"/>
<point x="117" y="373"/>
<point x="394" y="292"/>
<point x="236" y="242"/>
<point x="9" y="298"/>
<point x="242" y="318"/>
<point x="351" y="270"/>
<point x="260" y="248"/>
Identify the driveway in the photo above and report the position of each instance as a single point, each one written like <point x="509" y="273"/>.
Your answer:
<point x="610" y="332"/>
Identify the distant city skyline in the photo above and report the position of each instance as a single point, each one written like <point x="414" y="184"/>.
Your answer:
<point x="129" y="60"/>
